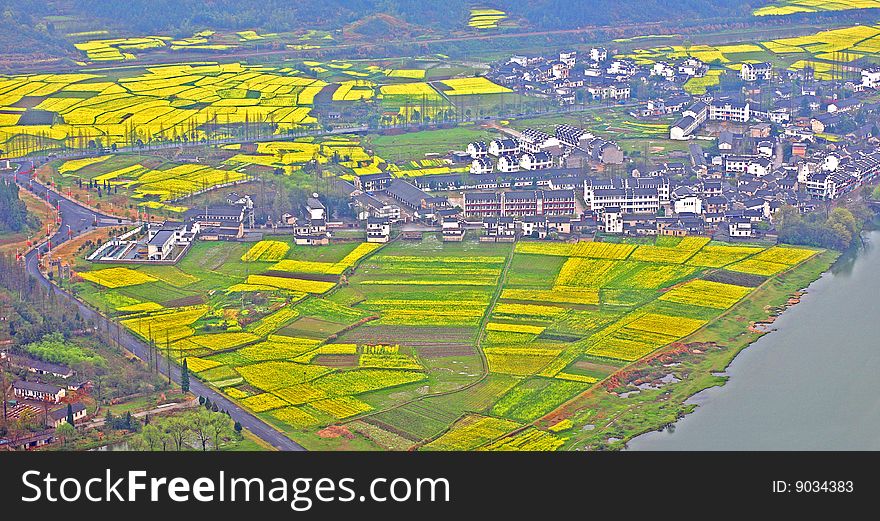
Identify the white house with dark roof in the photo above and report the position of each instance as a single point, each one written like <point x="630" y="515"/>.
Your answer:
<point x="38" y="391"/>
<point x="59" y="416"/>
<point x="756" y="71"/>
<point x="477" y="149"/>
<point x="481" y="165"/>
<point x="508" y="163"/>
<point x="536" y="161"/>
<point x="500" y="147"/>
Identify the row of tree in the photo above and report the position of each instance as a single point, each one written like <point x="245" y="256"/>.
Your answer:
<point x="837" y="228"/>
<point x="13" y="212"/>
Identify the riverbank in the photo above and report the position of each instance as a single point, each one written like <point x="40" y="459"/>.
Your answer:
<point x="653" y="393"/>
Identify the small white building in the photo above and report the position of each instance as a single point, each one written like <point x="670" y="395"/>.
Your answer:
<point x="689" y="204"/>
<point x="611" y="220"/>
<point x="477" y="149"/>
<point x="378" y="230"/>
<point x="598" y="54"/>
<point x="508" y="163"/>
<point x="568" y="58"/>
<point x="756" y="71"/>
<point x="59" y="416"/>
<point x="871" y="78"/>
<point x="482" y="165"/>
<point x="536" y="161"/>
<point x="161" y="245"/>
<point x="739" y="227"/>
<point x="500" y="147"/>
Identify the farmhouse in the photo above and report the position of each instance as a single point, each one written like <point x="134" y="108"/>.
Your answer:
<point x="415" y="199"/>
<point x="481" y="165"/>
<point x="38" y="391"/>
<point x="536" y="161"/>
<point x="59" y="416"/>
<point x="508" y="163"/>
<point x="223" y="222"/>
<point x="501" y="228"/>
<point x="533" y="141"/>
<point x="378" y="230"/>
<point x="477" y="149"/>
<point x="368" y="206"/>
<point x="452" y="230"/>
<point x="500" y="147"/>
<point x="161" y="245"/>
<point x="38" y="366"/>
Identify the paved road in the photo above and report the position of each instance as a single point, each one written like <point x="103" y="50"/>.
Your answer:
<point x="81" y="219"/>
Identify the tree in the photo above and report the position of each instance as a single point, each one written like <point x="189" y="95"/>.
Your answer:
<point x="65" y="432"/>
<point x="70" y="415"/>
<point x="184" y="377"/>
<point x="152" y="436"/>
<point x="201" y="426"/>
<point x="178" y="429"/>
<point x="220" y="428"/>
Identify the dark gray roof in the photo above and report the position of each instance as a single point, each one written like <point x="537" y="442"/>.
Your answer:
<point x="40" y="365"/>
<point x="161" y="238"/>
<point x="407" y="192"/>
<point x="37" y="386"/>
<point x="60" y="413"/>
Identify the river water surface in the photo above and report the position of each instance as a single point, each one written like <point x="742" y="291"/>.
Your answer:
<point x="810" y="385"/>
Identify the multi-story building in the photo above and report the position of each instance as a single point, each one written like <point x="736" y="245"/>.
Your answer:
<point x="533" y="141"/>
<point x="691" y="119"/>
<point x="628" y="200"/>
<point x="481" y="165"/>
<point x="536" y="161"/>
<point x="508" y="163"/>
<point x="727" y="110"/>
<point x="477" y="149"/>
<point x="519" y="203"/>
<point x="378" y="230"/>
<point x="756" y="71"/>
<point x="500" y="147"/>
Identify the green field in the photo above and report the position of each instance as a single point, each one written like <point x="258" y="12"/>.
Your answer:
<point x="428" y="344"/>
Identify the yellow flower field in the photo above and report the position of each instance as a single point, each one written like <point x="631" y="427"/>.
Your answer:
<point x="117" y="277"/>
<point x="307" y="286"/>
<point x="263" y="402"/>
<point x="342" y="407"/>
<point x="706" y="293"/>
<point x="472" y="86"/>
<point x="471" y="432"/>
<point x="266" y="251"/>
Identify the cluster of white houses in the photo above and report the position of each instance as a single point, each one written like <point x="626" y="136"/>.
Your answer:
<point x="715" y="110"/>
<point x="538" y="150"/>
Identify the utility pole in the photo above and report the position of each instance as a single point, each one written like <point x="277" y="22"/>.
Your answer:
<point x="168" y="357"/>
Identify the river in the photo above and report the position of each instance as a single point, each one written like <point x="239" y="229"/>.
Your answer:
<point x="809" y="385"/>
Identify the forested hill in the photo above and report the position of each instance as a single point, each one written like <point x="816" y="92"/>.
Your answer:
<point x="182" y="16"/>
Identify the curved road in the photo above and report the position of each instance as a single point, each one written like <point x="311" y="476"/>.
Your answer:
<point x="80" y="220"/>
